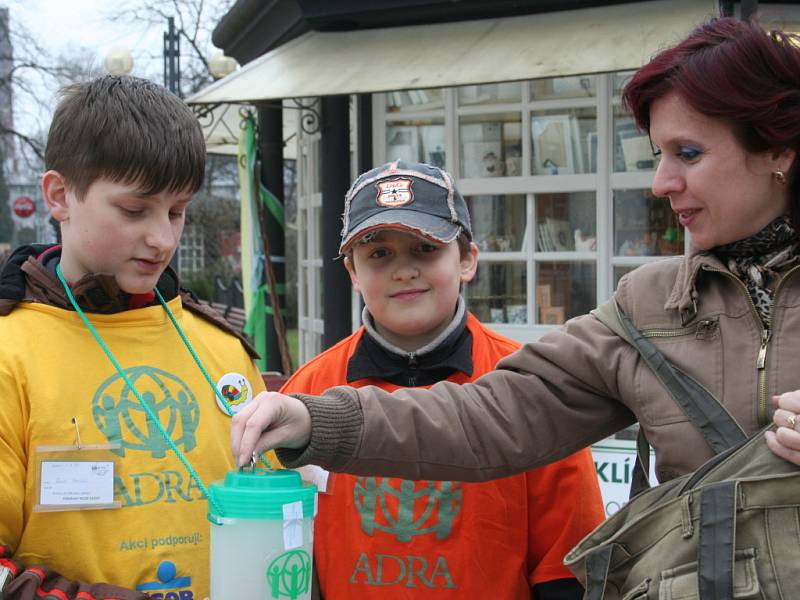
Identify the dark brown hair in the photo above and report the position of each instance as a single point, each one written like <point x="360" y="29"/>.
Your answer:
<point x="125" y="129"/>
<point x="735" y="71"/>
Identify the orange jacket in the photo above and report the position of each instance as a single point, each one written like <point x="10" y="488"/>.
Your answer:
<point x="391" y="538"/>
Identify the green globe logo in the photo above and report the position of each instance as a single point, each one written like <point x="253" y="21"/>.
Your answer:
<point x="121" y="417"/>
<point x="289" y="575"/>
<point x="406" y="509"/>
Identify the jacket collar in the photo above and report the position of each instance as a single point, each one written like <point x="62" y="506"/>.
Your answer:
<point x="458" y="323"/>
<point x="376" y="358"/>
<point x="29" y="275"/>
<point x="684" y="295"/>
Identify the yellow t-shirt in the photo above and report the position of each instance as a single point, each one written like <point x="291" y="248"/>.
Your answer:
<point x="51" y="370"/>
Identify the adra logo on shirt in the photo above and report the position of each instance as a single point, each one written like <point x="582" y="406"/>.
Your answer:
<point x="121" y="417"/>
<point x="391" y="509"/>
<point x="405" y="509"/>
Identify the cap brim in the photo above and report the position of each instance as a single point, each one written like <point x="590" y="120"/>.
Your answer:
<point x="423" y="224"/>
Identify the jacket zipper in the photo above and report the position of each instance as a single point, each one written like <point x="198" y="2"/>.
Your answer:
<point x="766" y="336"/>
<point x="412" y="366"/>
<point x="699" y="327"/>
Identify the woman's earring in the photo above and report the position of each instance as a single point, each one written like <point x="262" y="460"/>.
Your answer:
<point x="779" y="176"/>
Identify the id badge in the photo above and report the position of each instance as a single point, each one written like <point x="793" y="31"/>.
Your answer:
<point x="76" y="477"/>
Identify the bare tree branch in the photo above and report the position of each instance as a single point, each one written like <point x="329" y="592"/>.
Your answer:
<point x="32" y="143"/>
<point x="194" y="20"/>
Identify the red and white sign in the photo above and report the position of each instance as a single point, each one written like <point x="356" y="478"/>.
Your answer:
<point x="24" y="206"/>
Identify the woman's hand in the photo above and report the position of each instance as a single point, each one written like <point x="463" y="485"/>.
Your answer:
<point x="271" y="420"/>
<point x="785" y="441"/>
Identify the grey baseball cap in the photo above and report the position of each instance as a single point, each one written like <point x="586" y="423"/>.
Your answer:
<point x="414" y="197"/>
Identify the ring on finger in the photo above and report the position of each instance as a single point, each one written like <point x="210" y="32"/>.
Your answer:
<point x="791" y="420"/>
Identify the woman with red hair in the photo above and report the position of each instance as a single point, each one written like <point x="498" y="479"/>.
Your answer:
<point x="722" y="109"/>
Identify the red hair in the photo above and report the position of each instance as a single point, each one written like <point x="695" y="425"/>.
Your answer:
<point x="735" y="71"/>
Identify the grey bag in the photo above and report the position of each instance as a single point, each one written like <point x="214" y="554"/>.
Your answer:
<point x="729" y="530"/>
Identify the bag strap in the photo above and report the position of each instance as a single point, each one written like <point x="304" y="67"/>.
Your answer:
<point x="597" y="563"/>
<point x="608" y="314"/>
<point x="715" y="553"/>
<point x="711" y="419"/>
<point x="706" y="413"/>
<point x="640" y="479"/>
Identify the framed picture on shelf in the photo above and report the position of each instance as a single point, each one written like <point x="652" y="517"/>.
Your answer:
<point x="552" y="145"/>
<point x="432" y="137"/>
<point x="402" y="143"/>
<point x="543" y="295"/>
<point x="632" y="150"/>
<point x="481" y="150"/>
<point x="513" y="162"/>
<point x="561" y="234"/>
<point x="526" y="238"/>
<point x="551" y="315"/>
<point x="637" y="153"/>
<point x="591" y="144"/>
<point x="517" y="314"/>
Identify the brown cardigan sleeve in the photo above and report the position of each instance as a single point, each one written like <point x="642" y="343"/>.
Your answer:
<point x="544" y="402"/>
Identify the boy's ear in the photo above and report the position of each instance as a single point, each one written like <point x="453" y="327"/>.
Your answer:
<point x="54" y="192"/>
<point x="351" y="270"/>
<point x="469" y="264"/>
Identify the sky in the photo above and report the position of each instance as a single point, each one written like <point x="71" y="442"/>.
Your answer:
<point x="74" y="26"/>
<point x="61" y="26"/>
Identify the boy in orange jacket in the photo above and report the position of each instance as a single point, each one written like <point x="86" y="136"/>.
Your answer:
<point x="407" y="246"/>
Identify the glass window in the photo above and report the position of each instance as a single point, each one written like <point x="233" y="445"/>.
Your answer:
<point x="497" y="293"/>
<point x="619" y="272"/>
<point x="498" y="222"/>
<point x="316" y="272"/>
<point x="564" y="141"/>
<point x="563" y="87"/>
<point x="564" y="290"/>
<point x="319" y="304"/>
<point x="620" y="80"/>
<point x="491" y="145"/>
<point x="303" y="251"/>
<point x="302" y="290"/>
<point x="632" y="148"/>
<point x="191" y="251"/>
<point x="566" y="222"/>
<point x="421" y="140"/>
<point x="542" y="225"/>
<point x="492" y="93"/>
<point x="414" y="100"/>
<point x="645" y="225"/>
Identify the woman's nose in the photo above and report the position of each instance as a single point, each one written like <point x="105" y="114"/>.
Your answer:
<point x="668" y="180"/>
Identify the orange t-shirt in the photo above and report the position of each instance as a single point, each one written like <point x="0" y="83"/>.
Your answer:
<point x="380" y="537"/>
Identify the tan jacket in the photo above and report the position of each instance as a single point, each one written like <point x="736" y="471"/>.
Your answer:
<point x="577" y="386"/>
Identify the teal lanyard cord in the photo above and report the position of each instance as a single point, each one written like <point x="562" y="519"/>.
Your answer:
<point x="196" y="358"/>
<point x="130" y="385"/>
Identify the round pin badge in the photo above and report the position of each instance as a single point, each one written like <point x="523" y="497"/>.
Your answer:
<point x="236" y="390"/>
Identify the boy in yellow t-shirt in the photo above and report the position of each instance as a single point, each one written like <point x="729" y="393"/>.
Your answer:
<point x="124" y="157"/>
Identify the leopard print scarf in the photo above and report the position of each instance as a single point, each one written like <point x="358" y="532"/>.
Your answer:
<point x="760" y="260"/>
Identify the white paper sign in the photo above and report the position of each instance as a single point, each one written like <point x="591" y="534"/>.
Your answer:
<point x="614" y="461"/>
<point x="292" y="525"/>
<point x="76" y="483"/>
